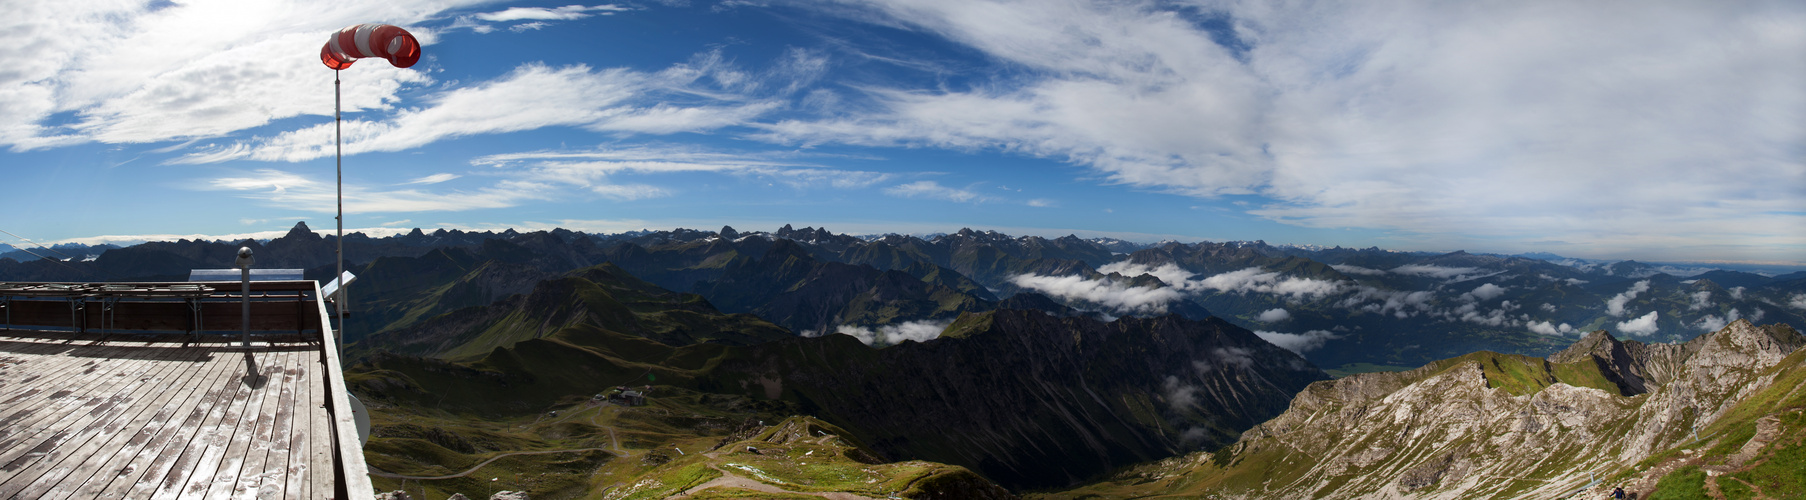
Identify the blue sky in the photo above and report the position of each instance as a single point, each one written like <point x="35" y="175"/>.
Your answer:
<point x="1657" y="132"/>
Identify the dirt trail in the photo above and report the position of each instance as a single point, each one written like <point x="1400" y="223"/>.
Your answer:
<point x="732" y="481"/>
<point x="378" y="473"/>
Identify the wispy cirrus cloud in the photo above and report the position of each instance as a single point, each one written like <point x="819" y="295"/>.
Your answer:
<point x="1448" y="125"/>
<point x="287" y="189"/>
<point x="536" y="17"/>
<point x="704" y="94"/>
<point x="434" y="179"/>
<point x="935" y="191"/>
<point x="142" y="72"/>
<point x="565" y="13"/>
<point x="596" y="167"/>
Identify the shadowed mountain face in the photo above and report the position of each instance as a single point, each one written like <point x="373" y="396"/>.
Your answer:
<point x="1032" y="400"/>
<point x="795" y="290"/>
<point x="1025" y="398"/>
<point x="602" y="296"/>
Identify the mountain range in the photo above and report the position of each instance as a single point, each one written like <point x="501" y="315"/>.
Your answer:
<point x="980" y="364"/>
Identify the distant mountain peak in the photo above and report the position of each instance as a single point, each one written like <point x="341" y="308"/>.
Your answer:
<point x="301" y="232"/>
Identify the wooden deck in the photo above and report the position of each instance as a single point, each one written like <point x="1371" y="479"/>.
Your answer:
<point x="87" y="415"/>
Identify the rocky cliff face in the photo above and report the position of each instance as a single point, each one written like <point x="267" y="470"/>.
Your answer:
<point x="1488" y="425"/>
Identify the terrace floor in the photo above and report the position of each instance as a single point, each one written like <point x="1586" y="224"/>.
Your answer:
<point x="87" y="416"/>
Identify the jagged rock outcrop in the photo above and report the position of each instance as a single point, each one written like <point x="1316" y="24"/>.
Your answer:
<point x="1493" y="425"/>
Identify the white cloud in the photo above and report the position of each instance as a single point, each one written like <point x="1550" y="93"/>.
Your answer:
<point x="1642" y="326"/>
<point x="1233" y="356"/>
<point x="629" y="192"/>
<point x="1798" y="301"/>
<point x="1117" y="296"/>
<point x="1426" y="118"/>
<point x="1615" y="305"/>
<point x="919" y="331"/>
<point x="143" y="72"/>
<point x="1701" y="300"/>
<point x="1041" y="203"/>
<point x="1547" y="328"/>
<point x="1451" y="274"/>
<point x="1354" y="269"/>
<point x="565" y="13"/>
<point x="1495" y="318"/>
<point x="1712" y="323"/>
<point x="1547" y="307"/>
<point x="434" y="179"/>
<point x="290" y="190"/>
<point x="935" y="191"/>
<point x="1275" y="315"/>
<point x="532" y="96"/>
<point x="584" y="168"/>
<point x="1298" y="342"/>
<point x="1253" y="280"/>
<point x="1179" y="394"/>
<point x="1487" y="291"/>
<point x="1736" y="293"/>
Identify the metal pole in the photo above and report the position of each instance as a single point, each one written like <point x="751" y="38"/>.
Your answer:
<point x="338" y="146"/>
<point x="244" y="290"/>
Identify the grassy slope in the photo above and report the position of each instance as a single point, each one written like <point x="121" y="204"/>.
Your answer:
<point x="434" y="417"/>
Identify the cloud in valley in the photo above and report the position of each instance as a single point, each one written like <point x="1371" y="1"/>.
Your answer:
<point x="1547" y="328"/>
<point x="1275" y="315"/>
<point x="1298" y="342"/>
<point x="1354" y="269"/>
<point x="919" y="331"/>
<point x="1487" y="291"/>
<point x="1253" y="279"/>
<point x="1701" y="299"/>
<point x="1615" y="305"/>
<point x="1119" y="297"/>
<point x="1641" y="326"/>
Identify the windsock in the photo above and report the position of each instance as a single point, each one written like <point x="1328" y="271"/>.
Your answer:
<point x="370" y="40"/>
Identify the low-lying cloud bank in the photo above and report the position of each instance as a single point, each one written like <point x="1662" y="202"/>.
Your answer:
<point x="1120" y="297"/>
<point x="1643" y="326"/>
<point x="919" y="331"/>
<point x="1298" y="342"/>
<point x="1615" y="306"/>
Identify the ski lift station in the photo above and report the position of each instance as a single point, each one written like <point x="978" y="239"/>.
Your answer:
<point x="223" y="387"/>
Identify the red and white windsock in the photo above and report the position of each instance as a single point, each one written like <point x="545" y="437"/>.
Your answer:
<point x="370" y="40"/>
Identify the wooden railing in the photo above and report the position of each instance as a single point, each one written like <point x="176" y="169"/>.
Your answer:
<point x="277" y="307"/>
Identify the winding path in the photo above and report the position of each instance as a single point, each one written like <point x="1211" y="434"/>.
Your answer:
<point x="378" y="473"/>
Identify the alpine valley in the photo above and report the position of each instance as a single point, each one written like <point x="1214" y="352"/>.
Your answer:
<point x="801" y="363"/>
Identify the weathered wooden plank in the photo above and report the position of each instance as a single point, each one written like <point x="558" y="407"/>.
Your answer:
<point x="269" y="482"/>
<point x="46" y="377"/>
<point x="243" y="462"/>
<point x="172" y="466"/>
<point x="165" y="435"/>
<point x="39" y="417"/>
<point x="300" y="450"/>
<point x="20" y="360"/>
<point x="64" y="427"/>
<point x="100" y="425"/>
<point x="320" y="483"/>
<point x="122" y="438"/>
<point x="197" y="463"/>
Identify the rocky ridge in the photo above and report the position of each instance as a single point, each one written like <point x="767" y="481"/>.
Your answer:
<point x="1491" y="425"/>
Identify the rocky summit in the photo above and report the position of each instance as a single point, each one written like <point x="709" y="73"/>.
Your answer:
<point x="1598" y="415"/>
